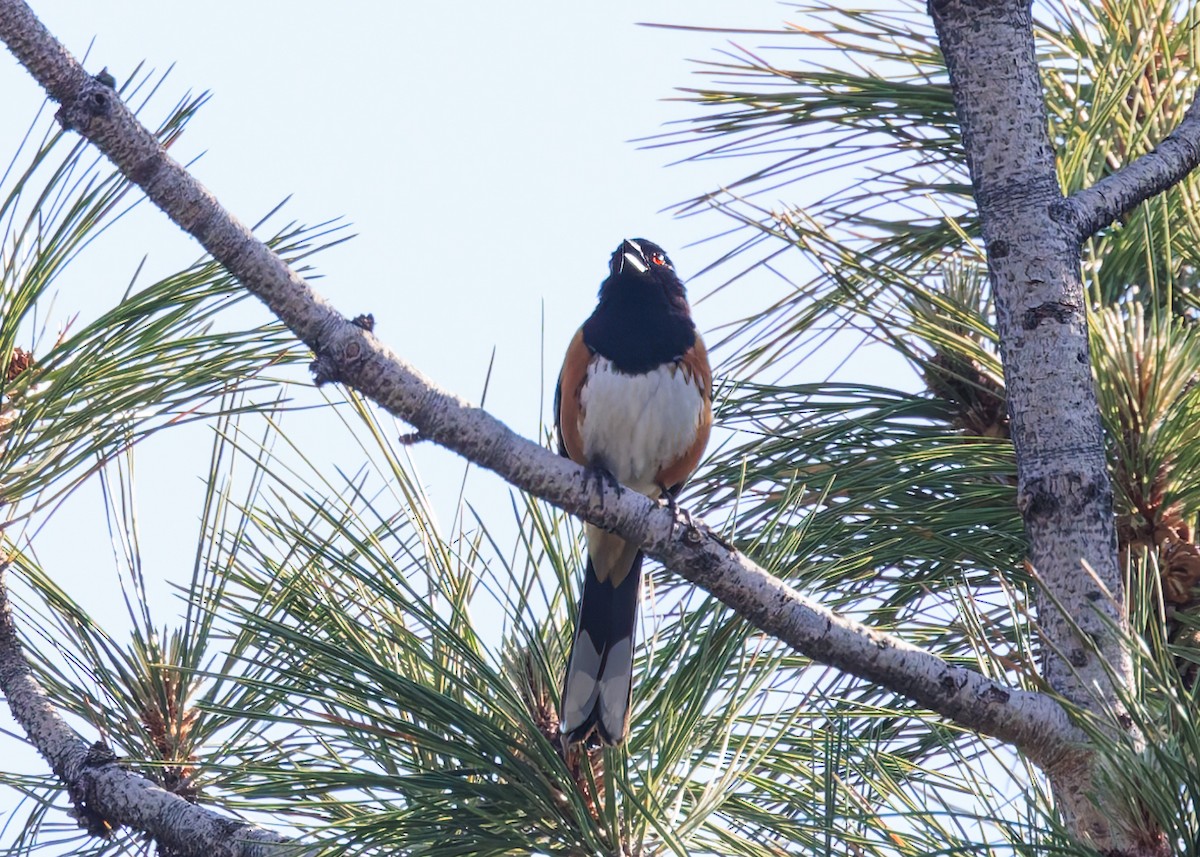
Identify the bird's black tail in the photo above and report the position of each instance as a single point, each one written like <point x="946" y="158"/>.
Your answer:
<point x="599" y="680"/>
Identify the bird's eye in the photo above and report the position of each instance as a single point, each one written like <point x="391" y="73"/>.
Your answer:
<point x="658" y="259"/>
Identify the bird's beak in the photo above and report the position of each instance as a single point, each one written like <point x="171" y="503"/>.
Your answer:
<point x="633" y="255"/>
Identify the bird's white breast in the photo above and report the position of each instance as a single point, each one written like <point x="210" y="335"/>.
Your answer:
<point x="634" y="425"/>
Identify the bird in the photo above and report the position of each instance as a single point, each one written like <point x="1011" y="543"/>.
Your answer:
<point x="633" y="405"/>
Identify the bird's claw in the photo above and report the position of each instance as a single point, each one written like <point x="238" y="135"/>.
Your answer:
<point x="681" y="517"/>
<point x="603" y="479"/>
<point x="677" y="512"/>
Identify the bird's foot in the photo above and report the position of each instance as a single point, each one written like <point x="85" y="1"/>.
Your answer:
<point x="682" y="518"/>
<point x="603" y="479"/>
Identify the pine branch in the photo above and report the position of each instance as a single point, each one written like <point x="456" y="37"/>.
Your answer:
<point x="105" y="795"/>
<point x="1089" y="210"/>
<point x="349" y="353"/>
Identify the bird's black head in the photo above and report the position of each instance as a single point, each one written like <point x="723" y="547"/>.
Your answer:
<point x="642" y="271"/>
<point x="636" y="257"/>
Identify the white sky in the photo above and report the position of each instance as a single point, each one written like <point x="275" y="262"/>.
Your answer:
<point x="480" y="151"/>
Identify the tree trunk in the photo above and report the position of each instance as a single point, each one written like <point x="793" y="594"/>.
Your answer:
<point x="1063" y="489"/>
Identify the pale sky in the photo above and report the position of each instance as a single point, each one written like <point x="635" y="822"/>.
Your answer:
<point x="480" y="151"/>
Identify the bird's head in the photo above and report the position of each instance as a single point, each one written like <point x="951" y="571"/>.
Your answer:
<point x="637" y="256"/>
<point x="641" y="270"/>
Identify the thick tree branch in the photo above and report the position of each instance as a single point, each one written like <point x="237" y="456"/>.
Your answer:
<point x="349" y="354"/>
<point x="1089" y="210"/>
<point x="104" y="793"/>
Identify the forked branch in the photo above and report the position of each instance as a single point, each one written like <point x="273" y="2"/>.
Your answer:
<point x="1091" y="209"/>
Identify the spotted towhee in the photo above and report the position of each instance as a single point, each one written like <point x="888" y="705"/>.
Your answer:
<point x="634" y="405"/>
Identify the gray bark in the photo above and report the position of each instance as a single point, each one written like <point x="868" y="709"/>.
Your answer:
<point x="1041" y="317"/>
<point x="1088" y="211"/>
<point x="1063" y="487"/>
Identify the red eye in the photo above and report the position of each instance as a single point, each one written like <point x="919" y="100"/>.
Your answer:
<point x="658" y="259"/>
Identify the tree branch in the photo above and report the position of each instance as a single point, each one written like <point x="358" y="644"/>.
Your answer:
<point x="350" y="354"/>
<point x="1091" y="209"/>
<point x="106" y="795"/>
